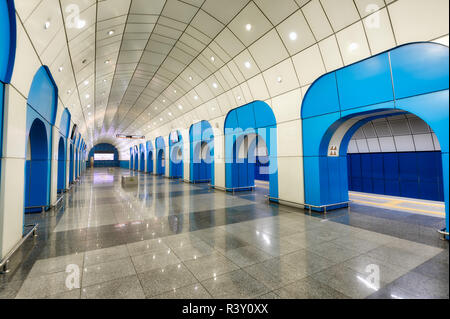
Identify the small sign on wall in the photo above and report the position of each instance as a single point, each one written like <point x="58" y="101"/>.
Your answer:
<point x="333" y="151"/>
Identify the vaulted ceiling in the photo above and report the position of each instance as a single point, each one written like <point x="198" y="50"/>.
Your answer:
<point x="148" y="66"/>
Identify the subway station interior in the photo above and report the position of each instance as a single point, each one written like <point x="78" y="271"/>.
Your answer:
<point x="211" y="149"/>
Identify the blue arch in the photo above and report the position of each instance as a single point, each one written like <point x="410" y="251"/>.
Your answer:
<point x="41" y="113"/>
<point x="201" y="135"/>
<point x="7" y="40"/>
<point x="175" y="162"/>
<point x="150" y="151"/>
<point x="411" y="78"/>
<point x="160" y="156"/>
<point x="61" y="184"/>
<point x="142" y="157"/>
<point x="256" y="119"/>
<point x="37" y="167"/>
<point x="136" y="158"/>
<point x="105" y="148"/>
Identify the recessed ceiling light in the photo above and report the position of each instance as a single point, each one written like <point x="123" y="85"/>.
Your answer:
<point x="215" y="85"/>
<point x="190" y="78"/>
<point x="248" y="65"/>
<point x="279" y="79"/>
<point x="60" y="69"/>
<point x="87" y="96"/>
<point x="107" y="61"/>
<point x="161" y="119"/>
<point x="81" y="24"/>
<point x="164" y="101"/>
<point x="110" y="32"/>
<point x="88" y="106"/>
<point x="104" y="80"/>
<point x="353" y="47"/>
<point x="195" y="97"/>
<point x="46" y="25"/>
<point x="293" y="36"/>
<point x="170" y="113"/>
<point x="180" y="106"/>
<point x="175" y="91"/>
<point x="86" y="82"/>
<point x="213" y="59"/>
<point x="239" y="97"/>
<point x="69" y="91"/>
<point x="248" y="27"/>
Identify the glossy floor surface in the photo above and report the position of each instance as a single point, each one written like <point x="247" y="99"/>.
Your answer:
<point x="168" y="239"/>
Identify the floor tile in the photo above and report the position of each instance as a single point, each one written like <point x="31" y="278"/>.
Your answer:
<point x="236" y="284"/>
<point x="96" y="274"/>
<point x="123" y="288"/>
<point x="309" y="288"/>
<point x="208" y="266"/>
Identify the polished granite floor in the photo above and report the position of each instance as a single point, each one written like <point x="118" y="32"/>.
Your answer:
<point x="168" y="239"/>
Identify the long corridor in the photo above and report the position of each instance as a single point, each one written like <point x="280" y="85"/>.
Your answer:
<point x="167" y="239"/>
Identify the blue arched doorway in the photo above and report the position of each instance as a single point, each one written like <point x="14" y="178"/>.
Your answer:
<point x="247" y="129"/>
<point x="409" y="79"/>
<point x="160" y="156"/>
<point x="176" y="155"/>
<point x="142" y="158"/>
<point x="61" y="165"/>
<point x="41" y="114"/>
<point x="149" y="157"/>
<point x="201" y="138"/>
<point x="136" y="158"/>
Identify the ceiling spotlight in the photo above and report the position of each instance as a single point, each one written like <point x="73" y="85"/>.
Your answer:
<point x="164" y="101"/>
<point x="46" y="25"/>
<point x="213" y="59"/>
<point x="170" y="113"/>
<point x="180" y="106"/>
<point x="293" y="36"/>
<point x="161" y="119"/>
<point x="248" y="27"/>
<point x="239" y="97"/>
<point x="69" y="91"/>
<point x="88" y="106"/>
<point x="86" y="82"/>
<point x="87" y="96"/>
<point x="190" y="78"/>
<point x="81" y="24"/>
<point x="196" y="97"/>
<point x="279" y="79"/>
<point x="60" y="69"/>
<point x="215" y="85"/>
<point x="89" y="113"/>
<point x="104" y="81"/>
<point x="175" y="91"/>
<point x="110" y="32"/>
<point x="353" y="47"/>
<point x="107" y="61"/>
<point x="248" y="65"/>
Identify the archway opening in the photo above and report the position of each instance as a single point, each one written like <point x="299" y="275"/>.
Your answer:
<point x="176" y="155"/>
<point x="202" y="153"/>
<point x="388" y="159"/>
<point x="251" y="136"/>
<point x="61" y="165"/>
<point x="150" y="162"/>
<point x="251" y="164"/>
<point x="160" y="163"/>
<point x="142" y="162"/>
<point x="37" y="168"/>
<point x="71" y="164"/>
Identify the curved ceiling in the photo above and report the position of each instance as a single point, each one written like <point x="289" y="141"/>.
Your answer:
<point x="148" y="67"/>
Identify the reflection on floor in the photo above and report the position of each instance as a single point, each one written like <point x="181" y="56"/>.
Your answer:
<point x="168" y="239"/>
<point x="411" y="205"/>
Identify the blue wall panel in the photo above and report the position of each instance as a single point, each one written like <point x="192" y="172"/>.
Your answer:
<point x="7" y="39"/>
<point x="201" y="136"/>
<point x="397" y="174"/>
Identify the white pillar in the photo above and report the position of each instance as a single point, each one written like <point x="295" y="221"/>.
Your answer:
<point x="12" y="170"/>
<point x="54" y="166"/>
<point x="219" y="159"/>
